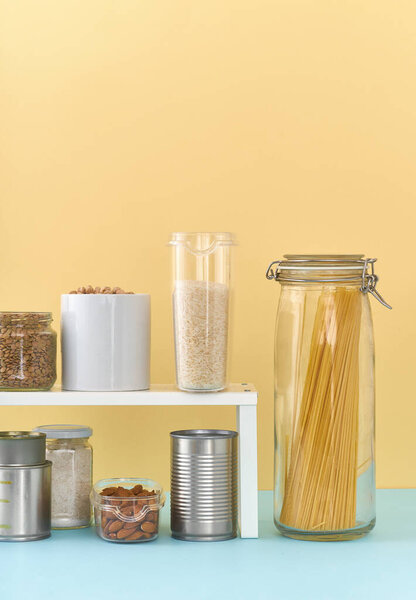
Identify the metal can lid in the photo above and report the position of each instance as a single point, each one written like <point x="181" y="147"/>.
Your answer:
<point x="20" y="435"/>
<point x="206" y="434"/>
<point x="22" y="448"/>
<point x="61" y="432"/>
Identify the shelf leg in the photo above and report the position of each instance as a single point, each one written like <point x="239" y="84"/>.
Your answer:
<point x="247" y="465"/>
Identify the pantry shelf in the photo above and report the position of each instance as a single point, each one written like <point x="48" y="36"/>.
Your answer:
<point x="241" y="395"/>
<point x="237" y="394"/>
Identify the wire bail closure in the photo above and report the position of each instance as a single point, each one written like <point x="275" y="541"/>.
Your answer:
<point x="270" y="274"/>
<point x="368" y="280"/>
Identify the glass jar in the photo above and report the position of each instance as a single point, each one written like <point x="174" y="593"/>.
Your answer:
<point x="27" y="351"/>
<point x="69" y="450"/>
<point x="201" y="300"/>
<point x="324" y="397"/>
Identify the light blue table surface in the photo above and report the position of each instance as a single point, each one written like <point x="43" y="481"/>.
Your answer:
<point x="78" y="565"/>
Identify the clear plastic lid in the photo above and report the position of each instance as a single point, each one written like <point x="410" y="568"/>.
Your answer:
<point x="65" y="432"/>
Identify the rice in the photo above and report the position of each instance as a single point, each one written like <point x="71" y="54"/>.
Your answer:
<point x="200" y="310"/>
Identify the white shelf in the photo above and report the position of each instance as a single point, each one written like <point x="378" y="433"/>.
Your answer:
<point x="237" y="394"/>
<point x="243" y="396"/>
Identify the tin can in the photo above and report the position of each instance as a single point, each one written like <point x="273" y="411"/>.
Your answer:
<point x="204" y="503"/>
<point x="25" y="487"/>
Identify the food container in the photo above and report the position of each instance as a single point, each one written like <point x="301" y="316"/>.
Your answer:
<point x="324" y="397"/>
<point x="25" y="487"/>
<point x="105" y="342"/>
<point x="69" y="450"/>
<point x="201" y="299"/>
<point x="27" y="351"/>
<point x="204" y="488"/>
<point x="127" y="510"/>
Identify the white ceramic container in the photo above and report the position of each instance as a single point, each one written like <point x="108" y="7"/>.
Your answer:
<point x="105" y="342"/>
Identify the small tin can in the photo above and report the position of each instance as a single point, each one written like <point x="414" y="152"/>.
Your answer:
<point x="204" y="502"/>
<point x="25" y="487"/>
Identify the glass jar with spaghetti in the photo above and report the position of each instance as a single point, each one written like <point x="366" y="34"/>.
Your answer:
<point x="324" y="397"/>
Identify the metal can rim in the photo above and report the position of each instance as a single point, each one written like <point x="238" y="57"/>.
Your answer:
<point x="205" y="434"/>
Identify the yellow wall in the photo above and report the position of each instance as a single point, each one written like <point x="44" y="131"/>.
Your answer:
<point x="289" y="122"/>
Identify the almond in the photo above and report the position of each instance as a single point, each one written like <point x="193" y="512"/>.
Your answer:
<point x="138" y="505"/>
<point x="115" y="526"/>
<point x="107" y="527"/>
<point x="122" y="492"/>
<point x="127" y="511"/>
<point x="123" y="533"/>
<point x="148" y="527"/>
<point x="135" y="536"/>
<point x="130" y="525"/>
<point x="109" y="491"/>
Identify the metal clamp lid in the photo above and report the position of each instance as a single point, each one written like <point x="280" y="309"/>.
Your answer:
<point x="329" y="263"/>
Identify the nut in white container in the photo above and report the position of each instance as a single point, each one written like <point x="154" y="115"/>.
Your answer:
<point x="105" y="342"/>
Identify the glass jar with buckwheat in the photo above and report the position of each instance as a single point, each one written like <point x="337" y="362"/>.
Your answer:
<point x="27" y="351"/>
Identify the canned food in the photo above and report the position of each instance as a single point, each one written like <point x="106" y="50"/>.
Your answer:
<point x="204" y="484"/>
<point x="25" y="487"/>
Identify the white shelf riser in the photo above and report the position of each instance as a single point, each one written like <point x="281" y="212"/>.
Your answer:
<point x="157" y="395"/>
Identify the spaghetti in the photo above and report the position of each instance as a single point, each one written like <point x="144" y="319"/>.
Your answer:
<point x="321" y="478"/>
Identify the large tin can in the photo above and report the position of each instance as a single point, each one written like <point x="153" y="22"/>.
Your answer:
<point x="25" y="487"/>
<point x="204" y="502"/>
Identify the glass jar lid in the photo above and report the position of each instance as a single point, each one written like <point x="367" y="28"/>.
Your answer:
<point x="324" y="261"/>
<point x="64" y="432"/>
<point x="327" y="268"/>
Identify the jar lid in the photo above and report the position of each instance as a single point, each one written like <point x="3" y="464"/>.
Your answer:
<point x="328" y="269"/>
<point x="65" y="432"/>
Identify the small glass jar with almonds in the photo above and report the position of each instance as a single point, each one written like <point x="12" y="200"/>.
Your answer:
<point x="27" y="351"/>
<point x="127" y="510"/>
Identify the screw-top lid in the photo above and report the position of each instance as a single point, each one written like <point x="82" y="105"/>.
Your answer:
<point x="65" y="432"/>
